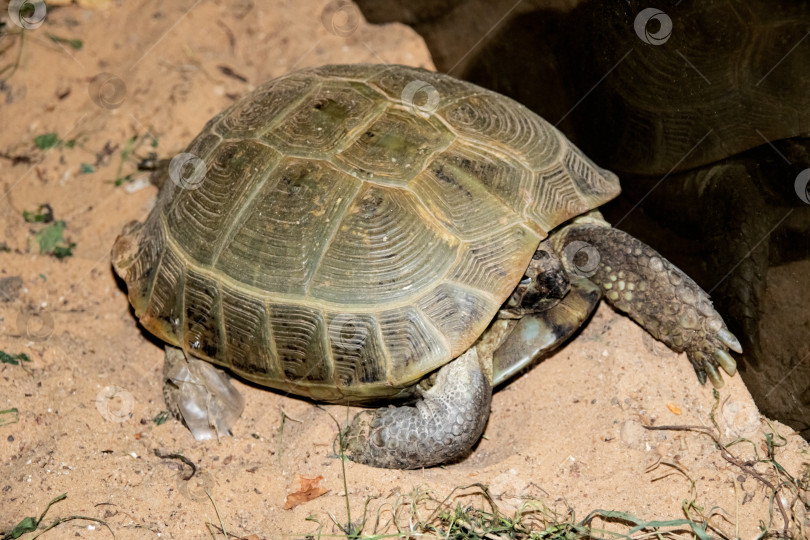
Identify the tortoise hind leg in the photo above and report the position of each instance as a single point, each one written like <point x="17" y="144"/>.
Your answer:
<point x="442" y="426"/>
<point x="637" y="280"/>
<point x="200" y="394"/>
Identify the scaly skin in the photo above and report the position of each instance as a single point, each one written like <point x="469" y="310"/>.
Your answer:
<point x="667" y="303"/>
<point x="440" y="427"/>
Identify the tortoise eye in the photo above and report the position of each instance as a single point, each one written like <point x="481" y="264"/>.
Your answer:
<point x="526" y="280"/>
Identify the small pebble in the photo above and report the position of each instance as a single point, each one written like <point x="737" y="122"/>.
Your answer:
<point x="632" y="433"/>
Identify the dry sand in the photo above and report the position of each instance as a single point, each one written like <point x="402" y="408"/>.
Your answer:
<point x="568" y="431"/>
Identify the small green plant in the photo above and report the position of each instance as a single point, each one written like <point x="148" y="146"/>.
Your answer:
<point x="19" y="359"/>
<point x="75" y="44"/>
<point x="161" y="418"/>
<point x="786" y="492"/>
<point x="31" y="524"/>
<point x="52" y="242"/>
<point x="9" y="416"/>
<point x="43" y="214"/>
<point x="129" y="152"/>
<point x="46" y="141"/>
<point x="50" y="239"/>
<point x="13" y="359"/>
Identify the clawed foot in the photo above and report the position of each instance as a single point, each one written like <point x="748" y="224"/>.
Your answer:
<point x="666" y="302"/>
<point x="441" y="427"/>
<point x="685" y="320"/>
<point x="713" y="353"/>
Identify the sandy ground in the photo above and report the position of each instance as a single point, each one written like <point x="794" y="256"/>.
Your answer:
<point x="568" y="431"/>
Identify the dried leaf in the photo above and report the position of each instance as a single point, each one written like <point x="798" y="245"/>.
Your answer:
<point x="305" y="488"/>
<point x="674" y="408"/>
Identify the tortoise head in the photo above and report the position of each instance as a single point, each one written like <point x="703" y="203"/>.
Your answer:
<point x="543" y="285"/>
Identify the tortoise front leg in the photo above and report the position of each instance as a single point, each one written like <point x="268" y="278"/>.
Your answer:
<point x="667" y="303"/>
<point x="442" y="426"/>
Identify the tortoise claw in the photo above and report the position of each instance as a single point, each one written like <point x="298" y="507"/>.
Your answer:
<point x="698" y="361"/>
<point x="706" y="366"/>
<point x="714" y="375"/>
<point x="726" y="361"/>
<point x="701" y="375"/>
<point x="730" y="341"/>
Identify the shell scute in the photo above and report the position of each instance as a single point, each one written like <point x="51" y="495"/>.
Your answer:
<point x="496" y="122"/>
<point x="277" y="241"/>
<point x="203" y="316"/>
<point x="415" y="345"/>
<point x="394" y="148"/>
<point x="263" y="109"/>
<point x="385" y="249"/>
<point x="164" y="315"/>
<point x="359" y="355"/>
<point x="199" y="218"/>
<point x="249" y="344"/>
<point x="457" y="312"/>
<point x="471" y="192"/>
<point x="325" y="118"/>
<point x="300" y="338"/>
<point x="418" y="89"/>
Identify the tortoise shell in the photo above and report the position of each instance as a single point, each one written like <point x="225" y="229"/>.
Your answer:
<point x="347" y="238"/>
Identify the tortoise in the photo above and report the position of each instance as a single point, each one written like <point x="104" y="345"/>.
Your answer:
<point x="342" y="242"/>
